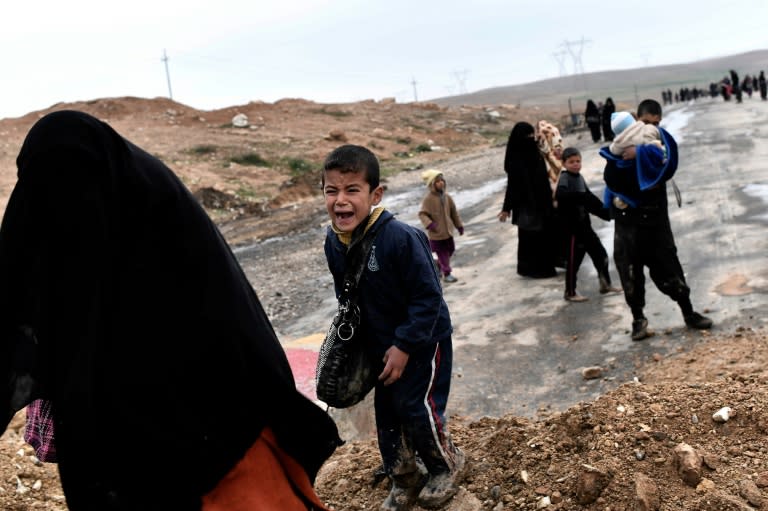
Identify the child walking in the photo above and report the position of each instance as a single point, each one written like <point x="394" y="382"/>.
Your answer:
<point x="575" y="203"/>
<point x="409" y="331"/>
<point x="439" y="216"/>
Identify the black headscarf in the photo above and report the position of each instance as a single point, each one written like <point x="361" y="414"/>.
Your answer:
<point x="121" y="299"/>
<point x="527" y="178"/>
<point x="592" y="111"/>
<point x="521" y="147"/>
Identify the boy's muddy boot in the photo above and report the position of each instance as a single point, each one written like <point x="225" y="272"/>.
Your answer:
<point x="440" y="488"/>
<point x="405" y="488"/>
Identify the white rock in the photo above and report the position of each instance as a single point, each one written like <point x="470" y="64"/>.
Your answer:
<point x="20" y="453"/>
<point x="20" y="487"/>
<point x="240" y="121"/>
<point x="524" y="476"/>
<point x="38" y="484"/>
<point x="722" y="415"/>
<point x="543" y="502"/>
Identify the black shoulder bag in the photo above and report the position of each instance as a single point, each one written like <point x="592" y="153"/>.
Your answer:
<point x="345" y="372"/>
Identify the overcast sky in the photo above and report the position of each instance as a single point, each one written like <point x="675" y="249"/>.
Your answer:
<point x="229" y="52"/>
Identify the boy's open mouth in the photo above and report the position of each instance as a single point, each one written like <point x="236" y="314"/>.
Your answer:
<point x="343" y="215"/>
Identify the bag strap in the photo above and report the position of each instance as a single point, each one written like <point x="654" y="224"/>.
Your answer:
<point x="357" y="255"/>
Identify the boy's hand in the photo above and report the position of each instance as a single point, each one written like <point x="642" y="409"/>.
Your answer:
<point x="503" y="216"/>
<point x="395" y="360"/>
<point x="629" y="153"/>
<point x="461" y="231"/>
<point x="432" y="226"/>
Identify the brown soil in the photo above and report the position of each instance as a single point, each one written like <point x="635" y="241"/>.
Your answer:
<point x="616" y="453"/>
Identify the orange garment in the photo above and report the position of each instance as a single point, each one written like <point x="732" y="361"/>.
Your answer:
<point x="266" y="479"/>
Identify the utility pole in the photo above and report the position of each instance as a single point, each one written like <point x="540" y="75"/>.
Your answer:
<point x="167" y="74"/>
<point x="415" y="95"/>
<point x="578" y="64"/>
<point x="461" y="80"/>
<point x="560" y="57"/>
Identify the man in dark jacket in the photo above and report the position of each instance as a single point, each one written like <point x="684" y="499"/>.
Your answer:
<point x="637" y="195"/>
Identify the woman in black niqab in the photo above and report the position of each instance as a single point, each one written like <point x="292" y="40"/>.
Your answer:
<point x="608" y="108"/>
<point x="528" y="199"/>
<point x="592" y="118"/>
<point x="123" y="305"/>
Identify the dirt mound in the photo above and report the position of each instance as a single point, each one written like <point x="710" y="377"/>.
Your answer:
<point x="271" y="154"/>
<point x="626" y="450"/>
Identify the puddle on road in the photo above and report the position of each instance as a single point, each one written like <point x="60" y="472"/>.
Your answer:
<point x="675" y="121"/>
<point x="734" y="285"/>
<point x="406" y="204"/>
<point x="478" y="241"/>
<point x="759" y="191"/>
<point x="526" y="337"/>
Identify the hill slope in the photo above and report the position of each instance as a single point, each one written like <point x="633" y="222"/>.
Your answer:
<point x="626" y="85"/>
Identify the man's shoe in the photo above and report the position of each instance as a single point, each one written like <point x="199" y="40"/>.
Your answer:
<point x="640" y="329"/>
<point x="575" y="297"/>
<point x="440" y="488"/>
<point x="697" y="321"/>
<point x="450" y="278"/>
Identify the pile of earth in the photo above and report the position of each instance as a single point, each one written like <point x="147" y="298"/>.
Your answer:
<point x="648" y="445"/>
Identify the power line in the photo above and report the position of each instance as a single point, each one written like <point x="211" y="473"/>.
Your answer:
<point x="570" y="46"/>
<point x="167" y="74"/>
<point x="461" y="80"/>
<point x="578" y="63"/>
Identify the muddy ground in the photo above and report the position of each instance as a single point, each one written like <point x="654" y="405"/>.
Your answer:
<point x="544" y="437"/>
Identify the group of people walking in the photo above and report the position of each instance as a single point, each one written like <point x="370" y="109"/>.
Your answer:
<point x="553" y="219"/>
<point x="730" y="86"/>
<point x="598" y="119"/>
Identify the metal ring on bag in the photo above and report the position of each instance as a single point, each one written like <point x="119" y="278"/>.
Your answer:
<point x="347" y="327"/>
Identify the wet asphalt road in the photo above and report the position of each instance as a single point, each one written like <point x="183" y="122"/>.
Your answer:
<point x="519" y="347"/>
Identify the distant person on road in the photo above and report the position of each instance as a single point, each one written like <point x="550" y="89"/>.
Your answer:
<point x="528" y="200"/>
<point x="746" y="85"/>
<point x="575" y="203"/>
<point x="762" y="85"/>
<point x="123" y="306"/>
<point x="736" y="85"/>
<point x="592" y="118"/>
<point x="608" y="109"/>
<point x="642" y="232"/>
<point x="409" y="328"/>
<point x="439" y="217"/>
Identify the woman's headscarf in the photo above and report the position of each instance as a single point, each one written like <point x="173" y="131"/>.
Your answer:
<point x="521" y="147"/>
<point x="592" y="110"/>
<point x="527" y="183"/>
<point x="550" y="142"/>
<point x="122" y="304"/>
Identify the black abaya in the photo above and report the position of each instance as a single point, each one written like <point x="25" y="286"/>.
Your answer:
<point x="123" y="302"/>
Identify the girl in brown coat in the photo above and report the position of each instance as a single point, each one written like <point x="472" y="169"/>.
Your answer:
<point x="439" y="216"/>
